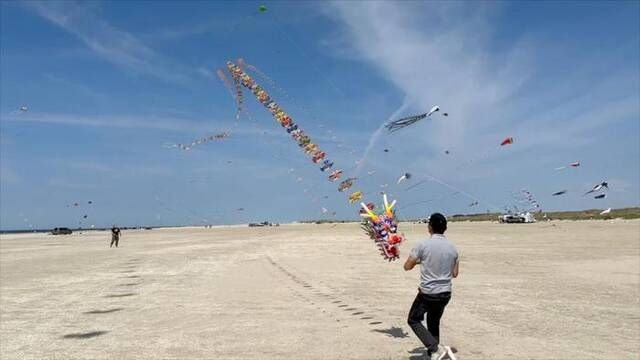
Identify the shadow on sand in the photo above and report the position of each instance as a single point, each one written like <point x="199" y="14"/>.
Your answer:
<point x="395" y="332"/>
<point x="103" y="311"/>
<point x="418" y="353"/>
<point x="86" y="335"/>
<point x="120" y="295"/>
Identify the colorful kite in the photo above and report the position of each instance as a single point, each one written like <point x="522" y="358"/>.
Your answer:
<point x="356" y="196"/>
<point x="507" y="141"/>
<point x="382" y="229"/>
<point x="377" y="224"/>
<point x="573" y="164"/>
<point x="346" y="184"/>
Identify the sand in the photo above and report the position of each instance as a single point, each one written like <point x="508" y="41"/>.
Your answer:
<point x="555" y="290"/>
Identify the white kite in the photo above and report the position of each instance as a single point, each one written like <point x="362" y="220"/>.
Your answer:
<point x="598" y="187"/>
<point x="404" y="177"/>
<point x="604" y="212"/>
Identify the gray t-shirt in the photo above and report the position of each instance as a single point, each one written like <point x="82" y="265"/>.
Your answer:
<point x="436" y="257"/>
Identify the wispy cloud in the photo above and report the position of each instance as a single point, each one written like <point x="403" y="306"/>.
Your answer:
<point x="444" y="63"/>
<point x="112" y="44"/>
<point x="77" y="88"/>
<point x="189" y="128"/>
<point x="441" y="53"/>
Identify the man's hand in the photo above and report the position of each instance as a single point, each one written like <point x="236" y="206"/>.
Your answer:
<point x="410" y="263"/>
<point x="454" y="272"/>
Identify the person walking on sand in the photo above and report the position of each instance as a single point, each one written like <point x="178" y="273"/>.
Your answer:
<point x="115" y="235"/>
<point x="438" y="259"/>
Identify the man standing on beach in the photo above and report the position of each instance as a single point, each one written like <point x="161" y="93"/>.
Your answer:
<point x="115" y="235"/>
<point x="438" y="259"/>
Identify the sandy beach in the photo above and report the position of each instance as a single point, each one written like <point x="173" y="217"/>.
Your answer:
<point x="554" y="290"/>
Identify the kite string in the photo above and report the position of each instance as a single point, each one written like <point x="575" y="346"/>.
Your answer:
<point x="441" y="182"/>
<point x="299" y="105"/>
<point x="279" y="156"/>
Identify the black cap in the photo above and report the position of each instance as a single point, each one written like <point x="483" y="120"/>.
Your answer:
<point x="438" y="223"/>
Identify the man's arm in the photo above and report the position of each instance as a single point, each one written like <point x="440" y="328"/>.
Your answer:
<point x="410" y="263"/>
<point x="454" y="272"/>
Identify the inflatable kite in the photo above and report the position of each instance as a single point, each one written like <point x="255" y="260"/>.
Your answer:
<point x="507" y="141"/>
<point x="573" y="164"/>
<point x="602" y="185"/>
<point x="410" y="120"/>
<point x="382" y="229"/>
<point x="404" y="177"/>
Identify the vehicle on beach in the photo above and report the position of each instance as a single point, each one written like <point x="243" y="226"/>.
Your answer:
<point x="522" y="218"/>
<point x="264" y="223"/>
<point x="61" y="231"/>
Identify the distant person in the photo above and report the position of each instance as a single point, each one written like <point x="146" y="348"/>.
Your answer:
<point x="115" y="235"/>
<point x="438" y="259"/>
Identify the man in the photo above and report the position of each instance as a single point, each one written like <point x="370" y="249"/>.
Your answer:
<point x="115" y="236"/>
<point x="438" y="259"/>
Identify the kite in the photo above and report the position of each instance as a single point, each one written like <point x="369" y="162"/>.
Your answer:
<point x="377" y="224"/>
<point x="370" y="206"/>
<point x="187" y="147"/>
<point x="346" y="184"/>
<point x="335" y="175"/>
<point x="382" y="229"/>
<point x="562" y="192"/>
<point x="262" y="8"/>
<point x="601" y="196"/>
<point x="602" y="185"/>
<point x="386" y="150"/>
<point x="404" y="177"/>
<point x="240" y="209"/>
<point x="525" y="196"/>
<point x="371" y="172"/>
<point x="447" y="152"/>
<point x="604" y="212"/>
<point x="24" y="109"/>
<point x="507" y="141"/>
<point x="573" y="164"/>
<point x="410" y="120"/>
<point x="474" y="203"/>
<point x="356" y="196"/>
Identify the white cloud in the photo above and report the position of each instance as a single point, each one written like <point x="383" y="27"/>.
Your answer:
<point x="112" y="44"/>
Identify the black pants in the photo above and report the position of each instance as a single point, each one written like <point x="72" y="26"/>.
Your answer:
<point x="114" y="239"/>
<point x="433" y="305"/>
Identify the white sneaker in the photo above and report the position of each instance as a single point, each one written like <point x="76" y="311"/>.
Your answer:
<point x="440" y="354"/>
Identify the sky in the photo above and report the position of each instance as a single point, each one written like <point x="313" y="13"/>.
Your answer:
<point x="110" y="86"/>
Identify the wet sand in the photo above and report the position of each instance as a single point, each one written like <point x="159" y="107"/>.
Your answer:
<point x="555" y="290"/>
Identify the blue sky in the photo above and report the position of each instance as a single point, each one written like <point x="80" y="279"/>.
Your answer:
<point x="109" y="84"/>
